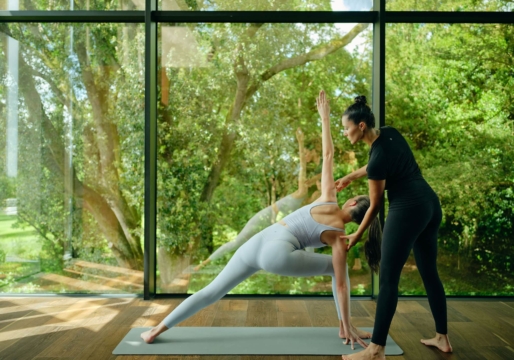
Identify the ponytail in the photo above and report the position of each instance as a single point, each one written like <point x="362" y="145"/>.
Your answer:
<point x="373" y="244"/>
<point x="372" y="247"/>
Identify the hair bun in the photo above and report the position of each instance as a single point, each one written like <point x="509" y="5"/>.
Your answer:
<point x="361" y="99"/>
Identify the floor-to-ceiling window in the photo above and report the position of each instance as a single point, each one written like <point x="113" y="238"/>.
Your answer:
<point x="72" y="142"/>
<point x="237" y="141"/>
<point x="240" y="141"/>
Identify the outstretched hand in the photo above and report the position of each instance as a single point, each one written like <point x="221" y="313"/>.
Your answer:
<point x="352" y="240"/>
<point x="342" y="183"/>
<point x="351" y="337"/>
<point x="323" y="105"/>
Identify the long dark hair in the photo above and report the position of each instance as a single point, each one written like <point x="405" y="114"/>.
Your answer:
<point x="360" y="111"/>
<point x="374" y="241"/>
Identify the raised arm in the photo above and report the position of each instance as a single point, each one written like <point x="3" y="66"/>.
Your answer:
<point x="328" y="189"/>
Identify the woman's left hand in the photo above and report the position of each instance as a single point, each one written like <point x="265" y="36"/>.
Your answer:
<point x="352" y="337"/>
<point x="323" y="105"/>
<point x="352" y="240"/>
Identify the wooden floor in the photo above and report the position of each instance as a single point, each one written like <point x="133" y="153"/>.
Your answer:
<point x="90" y="328"/>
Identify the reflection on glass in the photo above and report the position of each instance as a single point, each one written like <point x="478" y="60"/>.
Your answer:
<point x="449" y="91"/>
<point x="240" y="141"/>
<point x="449" y="5"/>
<point x="266" y="5"/>
<point x="71" y="180"/>
<point x="72" y="5"/>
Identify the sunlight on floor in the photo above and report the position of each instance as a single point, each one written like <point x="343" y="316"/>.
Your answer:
<point x="64" y="314"/>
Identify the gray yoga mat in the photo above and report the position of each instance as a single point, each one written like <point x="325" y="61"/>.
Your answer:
<point x="243" y="341"/>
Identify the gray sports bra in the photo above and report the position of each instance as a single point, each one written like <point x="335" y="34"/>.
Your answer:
<point x="307" y="230"/>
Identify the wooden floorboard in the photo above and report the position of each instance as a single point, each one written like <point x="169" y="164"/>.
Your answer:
<point x="90" y="328"/>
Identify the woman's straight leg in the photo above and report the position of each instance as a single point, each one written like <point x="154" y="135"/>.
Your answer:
<point x="402" y="228"/>
<point x="425" y="252"/>
<point x="235" y="272"/>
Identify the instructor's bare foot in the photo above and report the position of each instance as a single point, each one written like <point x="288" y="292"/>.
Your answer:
<point x="372" y="352"/>
<point x="440" y="341"/>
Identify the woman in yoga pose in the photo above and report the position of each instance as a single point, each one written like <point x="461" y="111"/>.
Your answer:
<point x="412" y="223"/>
<point x="279" y="249"/>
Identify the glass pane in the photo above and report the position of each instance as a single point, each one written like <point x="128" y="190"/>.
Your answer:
<point x="231" y="161"/>
<point x="72" y="5"/>
<point x="449" y="5"/>
<point x="71" y="153"/>
<point x="267" y="5"/>
<point x="449" y="91"/>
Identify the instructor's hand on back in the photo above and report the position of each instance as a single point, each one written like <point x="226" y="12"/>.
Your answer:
<point x="323" y="105"/>
<point x="352" y="240"/>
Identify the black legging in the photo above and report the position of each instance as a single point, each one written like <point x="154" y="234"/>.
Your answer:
<point x="413" y="227"/>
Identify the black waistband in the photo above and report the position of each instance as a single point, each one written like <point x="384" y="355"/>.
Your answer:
<point x="411" y="193"/>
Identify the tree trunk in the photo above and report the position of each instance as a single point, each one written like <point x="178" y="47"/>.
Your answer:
<point x="172" y="277"/>
<point x="116" y="224"/>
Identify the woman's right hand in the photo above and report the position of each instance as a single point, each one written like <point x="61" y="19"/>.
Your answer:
<point x="323" y="105"/>
<point x="342" y="183"/>
<point x="351" y="337"/>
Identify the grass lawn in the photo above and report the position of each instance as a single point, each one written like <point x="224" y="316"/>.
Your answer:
<point x="18" y="242"/>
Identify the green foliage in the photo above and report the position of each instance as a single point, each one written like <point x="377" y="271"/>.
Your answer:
<point x="451" y="95"/>
<point x="7" y="188"/>
<point x="449" y="5"/>
<point x="197" y="117"/>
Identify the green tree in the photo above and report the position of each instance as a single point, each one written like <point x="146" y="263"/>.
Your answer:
<point x="227" y="124"/>
<point x="211" y="113"/>
<point x="450" y="92"/>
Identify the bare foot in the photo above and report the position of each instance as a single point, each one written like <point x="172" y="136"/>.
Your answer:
<point x="372" y="352"/>
<point x="148" y="337"/>
<point x="440" y="341"/>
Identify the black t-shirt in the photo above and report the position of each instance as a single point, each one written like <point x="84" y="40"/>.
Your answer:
<point x="392" y="160"/>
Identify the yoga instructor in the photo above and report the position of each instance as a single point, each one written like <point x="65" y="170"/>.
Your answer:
<point x="412" y="223"/>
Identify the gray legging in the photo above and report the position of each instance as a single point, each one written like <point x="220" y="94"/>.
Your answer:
<point x="275" y="250"/>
